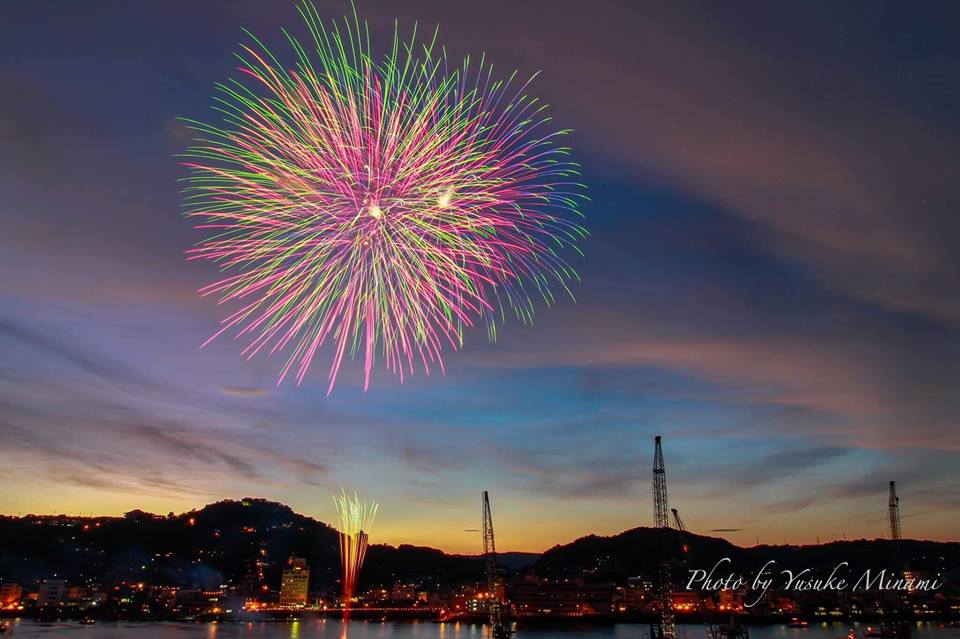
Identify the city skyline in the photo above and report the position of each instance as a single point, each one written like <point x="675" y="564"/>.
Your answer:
<point x="258" y="561"/>
<point x="769" y="284"/>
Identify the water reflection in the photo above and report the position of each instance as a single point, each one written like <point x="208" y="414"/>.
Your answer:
<point x="320" y="628"/>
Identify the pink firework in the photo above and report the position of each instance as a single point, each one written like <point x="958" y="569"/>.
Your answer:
<point x="378" y="206"/>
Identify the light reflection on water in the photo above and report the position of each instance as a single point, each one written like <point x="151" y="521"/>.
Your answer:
<point x="319" y="628"/>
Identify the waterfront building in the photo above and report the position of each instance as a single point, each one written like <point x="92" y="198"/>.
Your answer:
<point x="378" y="595"/>
<point x="52" y="592"/>
<point x="632" y="598"/>
<point x="295" y="583"/>
<point x="198" y="602"/>
<point x="567" y="598"/>
<point x="164" y="597"/>
<point x="685" y="600"/>
<point x="403" y="592"/>
<point x="733" y="599"/>
<point x="76" y="593"/>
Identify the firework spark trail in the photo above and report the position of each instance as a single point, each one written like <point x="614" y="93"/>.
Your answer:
<point x="381" y="206"/>
<point x="356" y="519"/>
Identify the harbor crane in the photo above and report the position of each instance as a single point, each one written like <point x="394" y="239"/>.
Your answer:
<point x="895" y="624"/>
<point x="667" y="628"/>
<point x="677" y="521"/>
<point x="499" y="628"/>
<point x="893" y="505"/>
<point x="732" y="630"/>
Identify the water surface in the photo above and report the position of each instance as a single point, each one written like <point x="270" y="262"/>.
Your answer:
<point x="334" y="629"/>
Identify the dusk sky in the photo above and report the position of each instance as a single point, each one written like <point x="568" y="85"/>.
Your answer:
<point x="770" y="282"/>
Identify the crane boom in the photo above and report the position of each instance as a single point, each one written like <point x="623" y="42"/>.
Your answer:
<point x="668" y="627"/>
<point x="893" y="506"/>
<point x="677" y="521"/>
<point x="499" y="629"/>
<point x="895" y="624"/>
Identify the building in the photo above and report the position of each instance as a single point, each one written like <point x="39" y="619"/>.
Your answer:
<point x="379" y="595"/>
<point x="685" y="601"/>
<point x="631" y="598"/>
<point x="295" y="583"/>
<point x="10" y="594"/>
<point x="198" y="602"/>
<point x="730" y="600"/>
<point x="403" y="592"/>
<point x="52" y="592"/>
<point x="567" y="598"/>
<point x="163" y="597"/>
<point x="76" y="593"/>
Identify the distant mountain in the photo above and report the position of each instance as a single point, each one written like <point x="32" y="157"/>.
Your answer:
<point x="220" y="543"/>
<point x="636" y="552"/>
<point x="233" y="541"/>
<point x="515" y="561"/>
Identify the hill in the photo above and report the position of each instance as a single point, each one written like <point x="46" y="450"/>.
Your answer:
<point x="249" y="541"/>
<point x="226" y="542"/>
<point x="635" y="552"/>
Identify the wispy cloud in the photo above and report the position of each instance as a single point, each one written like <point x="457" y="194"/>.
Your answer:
<point x="105" y="426"/>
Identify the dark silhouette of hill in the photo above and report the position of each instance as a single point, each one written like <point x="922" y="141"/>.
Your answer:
<point x="223" y="543"/>
<point x="217" y="544"/>
<point x="514" y="561"/>
<point x="636" y="552"/>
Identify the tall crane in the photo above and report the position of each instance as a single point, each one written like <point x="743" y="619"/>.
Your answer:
<point x="667" y="628"/>
<point x="732" y="630"/>
<point x="893" y="505"/>
<point x="660" y="506"/>
<point x="895" y="625"/>
<point x="499" y="629"/>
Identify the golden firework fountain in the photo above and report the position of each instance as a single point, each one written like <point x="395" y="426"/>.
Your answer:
<point x="356" y="518"/>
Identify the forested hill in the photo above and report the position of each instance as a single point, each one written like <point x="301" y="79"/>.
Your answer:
<point x="220" y="543"/>
<point x="223" y="543"/>
<point x="636" y="552"/>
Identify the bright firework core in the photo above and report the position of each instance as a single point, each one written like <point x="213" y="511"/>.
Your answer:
<point x="444" y="200"/>
<point x="378" y="206"/>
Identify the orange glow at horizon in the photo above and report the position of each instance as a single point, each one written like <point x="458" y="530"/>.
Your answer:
<point x="556" y="522"/>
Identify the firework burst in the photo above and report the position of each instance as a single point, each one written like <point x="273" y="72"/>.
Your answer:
<point x="356" y="519"/>
<point x="378" y="205"/>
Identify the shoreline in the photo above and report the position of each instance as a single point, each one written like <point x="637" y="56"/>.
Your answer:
<point x="474" y="620"/>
